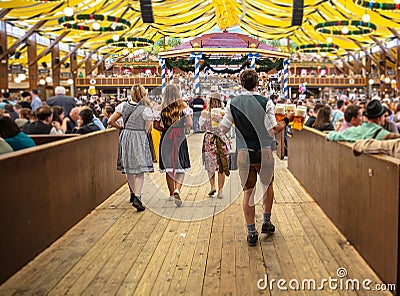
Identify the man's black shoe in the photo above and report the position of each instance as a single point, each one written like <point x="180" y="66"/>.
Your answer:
<point x="132" y="198"/>
<point x="268" y="227"/>
<point x="252" y="239"/>
<point x="138" y="204"/>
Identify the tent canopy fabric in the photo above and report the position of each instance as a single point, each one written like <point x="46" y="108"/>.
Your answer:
<point x="190" y="18"/>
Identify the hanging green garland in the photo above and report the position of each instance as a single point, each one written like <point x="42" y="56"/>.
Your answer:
<point x="136" y="42"/>
<point x="318" y="47"/>
<point x="73" y="22"/>
<point x="377" y="5"/>
<point x="185" y="65"/>
<point x="361" y="28"/>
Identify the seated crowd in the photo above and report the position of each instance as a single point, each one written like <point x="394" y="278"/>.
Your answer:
<point x="343" y="119"/>
<point x="59" y="115"/>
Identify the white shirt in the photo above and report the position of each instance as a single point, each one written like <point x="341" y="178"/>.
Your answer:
<point x="269" y="119"/>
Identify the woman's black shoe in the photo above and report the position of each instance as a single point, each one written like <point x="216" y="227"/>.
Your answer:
<point x="138" y="204"/>
<point x="132" y="198"/>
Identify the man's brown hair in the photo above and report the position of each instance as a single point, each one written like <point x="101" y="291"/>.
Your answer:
<point x="249" y="79"/>
<point x="350" y="112"/>
<point x="43" y="112"/>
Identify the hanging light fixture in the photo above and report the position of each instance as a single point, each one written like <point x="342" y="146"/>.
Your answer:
<point x="70" y="81"/>
<point x="371" y="82"/>
<point x="22" y="76"/>
<point x="42" y="81"/>
<point x="17" y="80"/>
<point x="68" y="11"/>
<point x="345" y="30"/>
<point x="125" y="52"/>
<point x="387" y="80"/>
<point x="49" y="79"/>
<point x="115" y="37"/>
<point x="130" y="44"/>
<point x="366" y="18"/>
<point x="397" y="1"/>
<point x="96" y="26"/>
<point x="329" y="39"/>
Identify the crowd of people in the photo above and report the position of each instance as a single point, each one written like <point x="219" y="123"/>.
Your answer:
<point x="373" y="126"/>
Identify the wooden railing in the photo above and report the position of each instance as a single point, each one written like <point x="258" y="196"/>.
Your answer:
<point x="359" y="194"/>
<point x="120" y="81"/>
<point x="156" y="81"/>
<point x="47" y="189"/>
<point x="327" y="81"/>
<point x="44" y="139"/>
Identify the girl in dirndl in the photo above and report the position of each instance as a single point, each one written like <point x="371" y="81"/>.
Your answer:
<point x="174" y="118"/>
<point x="134" y="155"/>
<point x="216" y="146"/>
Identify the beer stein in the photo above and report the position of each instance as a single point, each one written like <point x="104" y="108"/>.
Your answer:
<point x="299" y="117"/>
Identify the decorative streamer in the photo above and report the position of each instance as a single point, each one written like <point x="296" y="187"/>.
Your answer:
<point x="279" y="79"/>
<point x="253" y="57"/>
<point x="171" y="76"/>
<point x="163" y="84"/>
<point x="205" y="73"/>
<point x="196" y="57"/>
<point x="286" y="64"/>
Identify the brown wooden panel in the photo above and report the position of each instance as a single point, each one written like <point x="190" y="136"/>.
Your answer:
<point x="44" y="139"/>
<point x="359" y="194"/>
<point x="280" y="139"/>
<point x="65" y="182"/>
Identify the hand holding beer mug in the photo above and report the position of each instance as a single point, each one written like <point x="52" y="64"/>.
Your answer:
<point x="279" y="112"/>
<point x="299" y="117"/>
<point x="216" y="114"/>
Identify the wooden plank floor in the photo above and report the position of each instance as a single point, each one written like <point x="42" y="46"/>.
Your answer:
<point x="197" y="249"/>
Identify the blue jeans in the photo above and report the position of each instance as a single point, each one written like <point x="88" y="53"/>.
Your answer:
<point x="196" y="124"/>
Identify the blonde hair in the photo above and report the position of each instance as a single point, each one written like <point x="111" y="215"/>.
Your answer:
<point x="215" y="101"/>
<point x="139" y="95"/>
<point x="172" y="105"/>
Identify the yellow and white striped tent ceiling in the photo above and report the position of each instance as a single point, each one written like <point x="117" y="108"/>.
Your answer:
<point x="190" y="18"/>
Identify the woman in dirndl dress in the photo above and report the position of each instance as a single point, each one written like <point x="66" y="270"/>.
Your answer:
<point x="216" y="146"/>
<point x="175" y="116"/>
<point x="134" y="155"/>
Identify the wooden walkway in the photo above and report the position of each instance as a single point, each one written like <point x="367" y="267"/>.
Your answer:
<point x="118" y="251"/>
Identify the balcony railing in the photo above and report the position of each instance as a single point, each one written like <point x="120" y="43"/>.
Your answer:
<point x="156" y="81"/>
<point x="328" y="81"/>
<point x="120" y="81"/>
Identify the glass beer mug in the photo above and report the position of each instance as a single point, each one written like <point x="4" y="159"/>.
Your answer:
<point x="279" y="112"/>
<point x="299" y="117"/>
<point x="215" y="112"/>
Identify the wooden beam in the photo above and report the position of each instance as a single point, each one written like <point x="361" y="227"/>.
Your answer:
<point x="50" y="47"/>
<point x="33" y="69"/>
<point x="14" y="47"/>
<point x="367" y="53"/>
<point x="86" y="58"/>
<point x="398" y="69"/>
<point x="71" y="52"/>
<point x="382" y="71"/>
<point x="88" y="66"/>
<point x="347" y="64"/>
<point x="356" y="59"/>
<point x="98" y="64"/>
<point x="395" y="33"/>
<point x="337" y="68"/>
<point x="4" y="12"/>
<point x="73" y="67"/>
<point x="3" y="63"/>
<point x="388" y="53"/>
<point x="55" y="57"/>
